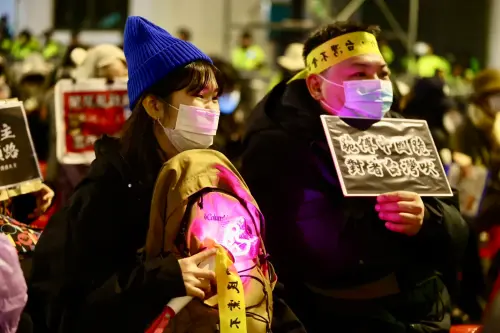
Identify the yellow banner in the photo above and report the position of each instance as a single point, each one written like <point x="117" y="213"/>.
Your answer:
<point x="231" y="296"/>
<point x="337" y="50"/>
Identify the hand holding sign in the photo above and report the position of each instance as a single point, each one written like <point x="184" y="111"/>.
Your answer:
<point x="402" y="211"/>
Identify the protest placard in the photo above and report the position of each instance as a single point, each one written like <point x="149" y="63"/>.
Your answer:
<point x="19" y="169"/>
<point x="470" y="182"/>
<point x="86" y="110"/>
<point x="385" y="156"/>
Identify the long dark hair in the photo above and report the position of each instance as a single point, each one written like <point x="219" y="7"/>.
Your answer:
<point x="140" y="147"/>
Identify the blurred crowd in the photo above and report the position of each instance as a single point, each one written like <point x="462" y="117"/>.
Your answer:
<point x="459" y="101"/>
<point x="427" y="85"/>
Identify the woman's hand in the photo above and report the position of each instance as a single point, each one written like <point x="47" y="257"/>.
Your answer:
<point x="43" y="201"/>
<point x="196" y="279"/>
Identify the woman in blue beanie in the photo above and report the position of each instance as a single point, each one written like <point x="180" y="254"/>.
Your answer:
<point x="87" y="276"/>
<point x="87" y="256"/>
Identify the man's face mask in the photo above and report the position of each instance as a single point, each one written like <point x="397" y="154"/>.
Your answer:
<point x="195" y="128"/>
<point x="363" y="98"/>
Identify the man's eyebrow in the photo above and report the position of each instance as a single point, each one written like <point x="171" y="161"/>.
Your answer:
<point x="364" y="65"/>
<point x="359" y="64"/>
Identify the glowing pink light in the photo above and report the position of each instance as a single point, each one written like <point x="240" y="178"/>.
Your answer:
<point x="233" y="238"/>
<point x="228" y="223"/>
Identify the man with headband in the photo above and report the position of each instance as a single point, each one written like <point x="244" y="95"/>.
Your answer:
<point x="348" y="264"/>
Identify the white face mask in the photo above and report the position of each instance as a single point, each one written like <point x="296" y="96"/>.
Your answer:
<point x="195" y="128"/>
<point x="363" y="98"/>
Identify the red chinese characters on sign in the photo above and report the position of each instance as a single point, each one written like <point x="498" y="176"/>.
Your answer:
<point x="89" y="115"/>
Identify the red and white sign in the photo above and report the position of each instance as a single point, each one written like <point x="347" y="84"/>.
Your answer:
<point x="86" y="110"/>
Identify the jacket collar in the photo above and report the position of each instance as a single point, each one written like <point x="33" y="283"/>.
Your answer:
<point x="299" y="113"/>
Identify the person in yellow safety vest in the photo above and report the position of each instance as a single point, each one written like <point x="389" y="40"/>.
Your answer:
<point x="248" y="56"/>
<point x="5" y="43"/>
<point x="5" y="35"/>
<point x="24" y="45"/>
<point x="458" y="83"/>
<point x="289" y="64"/>
<point x="429" y="62"/>
<point x="51" y="49"/>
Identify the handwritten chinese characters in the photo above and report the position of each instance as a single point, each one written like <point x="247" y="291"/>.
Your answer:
<point x="392" y="154"/>
<point x="347" y="47"/>
<point x="233" y="285"/>
<point x="370" y="144"/>
<point x="374" y="155"/>
<point x="6" y="133"/>
<point x="231" y="294"/>
<point x="8" y="150"/>
<point x="234" y="304"/>
<point x="235" y="322"/>
<point x="18" y="159"/>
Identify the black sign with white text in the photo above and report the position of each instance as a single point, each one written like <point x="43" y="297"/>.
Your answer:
<point x="18" y="161"/>
<point x="385" y="156"/>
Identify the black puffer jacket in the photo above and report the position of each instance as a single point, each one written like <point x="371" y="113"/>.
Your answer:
<point x="87" y="275"/>
<point x="314" y="234"/>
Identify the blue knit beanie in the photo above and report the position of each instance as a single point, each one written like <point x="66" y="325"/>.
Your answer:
<point x="152" y="53"/>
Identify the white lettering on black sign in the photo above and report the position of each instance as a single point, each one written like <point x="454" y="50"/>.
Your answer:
<point x="18" y="162"/>
<point x="375" y="157"/>
<point x="414" y="147"/>
<point x="8" y="150"/>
